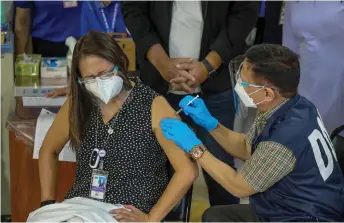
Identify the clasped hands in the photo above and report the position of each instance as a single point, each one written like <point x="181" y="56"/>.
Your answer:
<point x="180" y="133"/>
<point x="183" y="73"/>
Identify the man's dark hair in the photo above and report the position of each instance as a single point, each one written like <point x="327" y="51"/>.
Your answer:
<point x="275" y="65"/>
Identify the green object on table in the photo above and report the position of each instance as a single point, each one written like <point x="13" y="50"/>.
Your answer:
<point x="27" y="65"/>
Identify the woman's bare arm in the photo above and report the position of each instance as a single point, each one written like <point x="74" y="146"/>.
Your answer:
<point x="185" y="170"/>
<point x="53" y="143"/>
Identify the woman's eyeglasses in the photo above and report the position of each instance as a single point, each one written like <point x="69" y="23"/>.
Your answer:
<point x="102" y="76"/>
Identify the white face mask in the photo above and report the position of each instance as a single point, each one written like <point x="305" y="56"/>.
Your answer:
<point x="244" y="97"/>
<point x="106" y="89"/>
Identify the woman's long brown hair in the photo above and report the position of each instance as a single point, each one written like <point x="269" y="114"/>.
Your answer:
<point x="81" y="101"/>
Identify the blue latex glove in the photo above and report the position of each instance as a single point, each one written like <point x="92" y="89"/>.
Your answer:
<point x="180" y="133"/>
<point x="199" y="113"/>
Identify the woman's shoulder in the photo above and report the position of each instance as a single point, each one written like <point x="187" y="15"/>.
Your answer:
<point x="161" y="109"/>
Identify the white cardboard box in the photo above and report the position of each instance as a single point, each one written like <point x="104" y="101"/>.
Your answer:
<point x="42" y="101"/>
<point x="54" y="67"/>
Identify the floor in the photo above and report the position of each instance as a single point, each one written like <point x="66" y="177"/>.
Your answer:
<point x="199" y="199"/>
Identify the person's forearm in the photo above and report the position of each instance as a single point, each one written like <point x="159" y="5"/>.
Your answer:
<point x="176" y="189"/>
<point x="214" y="59"/>
<point x="22" y="30"/>
<point x="22" y="39"/>
<point x="47" y="174"/>
<point x="223" y="174"/>
<point x="233" y="142"/>
<point x="157" y="55"/>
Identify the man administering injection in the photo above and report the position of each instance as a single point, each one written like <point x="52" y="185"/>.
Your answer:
<point x="291" y="171"/>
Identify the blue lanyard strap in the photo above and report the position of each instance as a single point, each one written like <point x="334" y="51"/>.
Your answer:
<point x="115" y="11"/>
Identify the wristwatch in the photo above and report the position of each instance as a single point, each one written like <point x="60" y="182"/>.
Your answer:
<point x="210" y="68"/>
<point x="197" y="152"/>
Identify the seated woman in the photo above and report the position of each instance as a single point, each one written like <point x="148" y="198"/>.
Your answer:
<point x="113" y="125"/>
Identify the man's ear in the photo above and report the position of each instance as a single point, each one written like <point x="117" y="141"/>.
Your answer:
<point x="269" y="94"/>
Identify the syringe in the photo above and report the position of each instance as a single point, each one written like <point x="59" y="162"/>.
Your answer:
<point x="180" y="110"/>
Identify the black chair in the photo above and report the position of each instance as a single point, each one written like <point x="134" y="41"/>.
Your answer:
<point x="338" y="144"/>
<point x="181" y="212"/>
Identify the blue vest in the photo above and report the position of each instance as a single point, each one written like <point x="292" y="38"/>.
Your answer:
<point x="314" y="190"/>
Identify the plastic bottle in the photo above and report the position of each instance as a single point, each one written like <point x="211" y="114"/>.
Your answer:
<point x="70" y="42"/>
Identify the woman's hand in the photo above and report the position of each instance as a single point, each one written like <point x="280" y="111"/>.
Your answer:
<point x="130" y="214"/>
<point x="58" y="92"/>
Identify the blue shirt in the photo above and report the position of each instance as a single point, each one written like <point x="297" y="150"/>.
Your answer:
<point x="92" y="17"/>
<point x="53" y="20"/>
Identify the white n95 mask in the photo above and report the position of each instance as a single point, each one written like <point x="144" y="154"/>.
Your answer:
<point x="105" y="89"/>
<point x="244" y="97"/>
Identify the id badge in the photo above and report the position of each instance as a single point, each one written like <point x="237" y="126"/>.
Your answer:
<point x="98" y="184"/>
<point x="70" y="4"/>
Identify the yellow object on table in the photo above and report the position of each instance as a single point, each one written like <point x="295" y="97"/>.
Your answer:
<point x="3" y="35"/>
<point x="27" y="65"/>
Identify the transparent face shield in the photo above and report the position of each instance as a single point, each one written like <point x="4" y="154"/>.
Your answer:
<point x="234" y="72"/>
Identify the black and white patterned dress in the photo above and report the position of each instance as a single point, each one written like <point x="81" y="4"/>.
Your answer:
<point x="136" y="163"/>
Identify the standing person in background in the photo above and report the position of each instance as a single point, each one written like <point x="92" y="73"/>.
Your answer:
<point x="184" y="47"/>
<point x="49" y="23"/>
<point x="273" y="22"/>
<point x="319" y="41"/>
<point x="260" y="23"/>
<point x="105" y="16"/>
<point x="270" y="22"/>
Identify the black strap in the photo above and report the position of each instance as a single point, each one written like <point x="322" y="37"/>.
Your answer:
<point x="48" y="202"/>
<point x="210" y="68"/>
<point x="336" y="132"/>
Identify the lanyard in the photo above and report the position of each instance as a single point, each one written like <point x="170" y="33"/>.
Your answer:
<point x="115" y="11"/>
